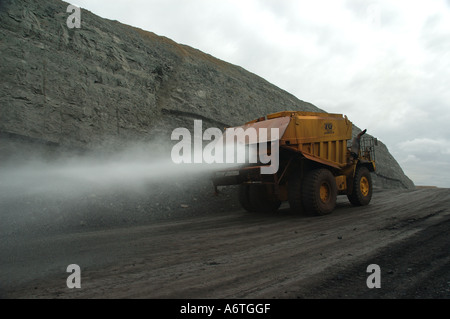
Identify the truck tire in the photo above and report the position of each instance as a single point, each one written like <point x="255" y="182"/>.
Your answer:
<point x="319" y="192"/>
<point x="244" y="198"/>
<point x="295" y="192"/>
<point x="362" y="187"/>
<point x="261" y="200"/>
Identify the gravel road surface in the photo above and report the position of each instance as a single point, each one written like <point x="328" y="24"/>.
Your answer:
<point x="234" y="254"/>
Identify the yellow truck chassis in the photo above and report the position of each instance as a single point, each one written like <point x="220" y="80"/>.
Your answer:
<point x="315" y="165"/>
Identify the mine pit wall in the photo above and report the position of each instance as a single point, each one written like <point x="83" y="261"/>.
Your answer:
<point x="107" y="85"/>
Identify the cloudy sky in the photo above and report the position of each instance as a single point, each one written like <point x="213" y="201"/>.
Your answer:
<point x="385" y="64"/>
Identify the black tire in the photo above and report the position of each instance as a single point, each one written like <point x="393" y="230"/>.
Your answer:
<point x="362" y="187"/>
<point x="244" y="198"/>
<point x="295" y="192"/>
<point x="319" y="192"/>
<point x="261" y="199"/>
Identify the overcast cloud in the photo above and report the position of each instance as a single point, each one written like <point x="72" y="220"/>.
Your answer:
<point x="385" y="64"/>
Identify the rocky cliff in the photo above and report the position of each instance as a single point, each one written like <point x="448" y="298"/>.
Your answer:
<point x="109" y="83"/>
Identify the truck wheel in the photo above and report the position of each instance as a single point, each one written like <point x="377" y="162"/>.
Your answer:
<point x="319" y="192"/>
<point x="295" y="192"/>
<point x="262" y="200"/>
<point x="362" y="187"/>
<point x="244" y="198"/>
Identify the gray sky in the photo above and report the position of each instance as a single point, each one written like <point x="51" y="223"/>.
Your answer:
<point x="385" y="64"/>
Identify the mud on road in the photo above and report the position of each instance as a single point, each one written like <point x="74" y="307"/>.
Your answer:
<point x="240" y="255"/>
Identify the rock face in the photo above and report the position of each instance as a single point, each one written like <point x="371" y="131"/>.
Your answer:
<point x="109" y="83"/>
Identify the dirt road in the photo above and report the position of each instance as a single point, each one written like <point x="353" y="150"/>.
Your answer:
<point x="240" y="255"/>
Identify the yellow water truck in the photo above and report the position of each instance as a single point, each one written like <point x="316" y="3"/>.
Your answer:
<point x="316" y="163"/>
